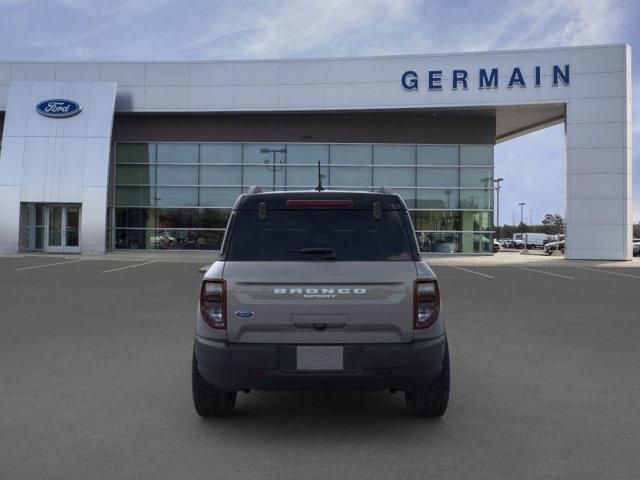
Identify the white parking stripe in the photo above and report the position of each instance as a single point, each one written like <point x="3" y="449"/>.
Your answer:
<point x="50" y="265"/>
<point x="129" y="266"/>
<point x="544" y="273"/>
<point x="471" y="271"/>
<point x="611" y="273"/>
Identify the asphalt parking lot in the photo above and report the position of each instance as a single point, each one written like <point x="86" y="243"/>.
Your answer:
<point x="95" y="379"/>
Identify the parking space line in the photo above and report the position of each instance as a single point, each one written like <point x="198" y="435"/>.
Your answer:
<point x="130" y="266"/>
<point x="544" y="273"/>
<point x="471" y="271"/>
<point x="49" y="265"/>
<point x="611" y="273"/>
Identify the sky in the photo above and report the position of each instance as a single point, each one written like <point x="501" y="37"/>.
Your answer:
<point x="532" y="165"/>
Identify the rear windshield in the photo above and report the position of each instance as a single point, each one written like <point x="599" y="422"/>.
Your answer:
<point x="334" y="235"/>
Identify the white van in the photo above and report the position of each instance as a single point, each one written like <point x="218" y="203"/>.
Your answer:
<point x="532" y="240"/>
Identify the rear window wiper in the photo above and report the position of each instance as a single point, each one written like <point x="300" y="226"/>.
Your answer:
<point x="330" y="253"/>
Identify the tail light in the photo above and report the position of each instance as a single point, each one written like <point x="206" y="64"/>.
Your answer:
<point x="213" y="303"/>
<point x="426" y="303"/>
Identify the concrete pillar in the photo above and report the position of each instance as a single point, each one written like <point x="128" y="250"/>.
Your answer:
<point x="598" y="169"/>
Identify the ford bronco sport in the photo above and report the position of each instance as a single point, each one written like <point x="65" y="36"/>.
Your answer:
<point x="316" y="290"/>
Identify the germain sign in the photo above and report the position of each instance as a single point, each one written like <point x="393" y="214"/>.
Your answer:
<point x="58" y="108"/>
<point x="487" y="78"/>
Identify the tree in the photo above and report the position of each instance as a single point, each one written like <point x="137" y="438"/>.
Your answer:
<point x="553" y="220"/>
<point x="552" y="224"/>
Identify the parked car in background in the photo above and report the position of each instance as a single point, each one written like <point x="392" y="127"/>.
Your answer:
<point x="506" y="243"/>
<point x="550" y="247"/>
<point x="496" y="246"/>
<point x="636" y="247"/>
<point x="533" y="240"/>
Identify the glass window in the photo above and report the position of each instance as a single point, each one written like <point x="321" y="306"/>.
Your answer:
<point x="307" y="177"/>
<point x="449" y="242"/>
<point x="177" y="175"/>
<point x="177" y="152"/>
<point x="476" y="155"/>
<point x="476" y="221"/>
<point x="168" y="239"/>
<point x="350" y="234"/>
<point x="476" y="177"/>
<point x="394" y="155"/>
<point x="408" y="195"/>
<point x="219" y="196"/>
<point x="220" y="175"/>
<point x="438" y="155"/>
<point x="135" y="196"/>
<point x="440" y="199"/>
<point x="134" y="217"/>
<point x="351" y="154"/>
<point x="176" y="196"/>
<point x="350" y="176"/>
<point x="131" y="239"/>
<point x="207" y="178"/>
<point x="39" y="238"/>
<point x="262" y="174"/>
<point x="477" y="242"/>
<point x="438" y="177"/>
<point x="221" y="153"/>
<point x="436" y="220"/>
<point x="176" y="217"/>
<point x="254" y="153"/>
<point x="135" y="153"/>
<point x="40" y="216"/>
<point x="393" y="176"/>
<point x="214" y="218"/>
<point x="135" y="174"/>
<point x="476" y="199"/>
<point x="310" y="155"/>
<point x="307" y="154"/>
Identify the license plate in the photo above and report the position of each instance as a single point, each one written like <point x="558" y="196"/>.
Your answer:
<point x="320" y="358"/>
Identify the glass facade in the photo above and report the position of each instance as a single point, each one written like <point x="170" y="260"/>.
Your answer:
<point x="179" y="195"/>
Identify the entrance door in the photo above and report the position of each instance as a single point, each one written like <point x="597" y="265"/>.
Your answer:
<point x="63" y="228"/>
<point x="72" y="229"/>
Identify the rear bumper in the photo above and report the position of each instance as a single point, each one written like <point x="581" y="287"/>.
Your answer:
<point x="411" y="366"/>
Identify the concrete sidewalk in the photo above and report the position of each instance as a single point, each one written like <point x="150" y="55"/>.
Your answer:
<point x="535" y="257"/>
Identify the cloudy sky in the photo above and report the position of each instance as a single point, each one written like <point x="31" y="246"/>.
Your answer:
<point x="206" y="30"/>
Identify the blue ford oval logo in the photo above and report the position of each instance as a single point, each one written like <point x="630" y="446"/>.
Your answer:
<point x="58" y="108"/>
<point x="244" y="313"/>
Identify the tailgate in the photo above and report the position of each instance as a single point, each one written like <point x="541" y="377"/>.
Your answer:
<point x="320" y="302"/>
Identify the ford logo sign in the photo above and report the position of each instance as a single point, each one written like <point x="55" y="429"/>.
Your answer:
<point x="58" y="108"/>
<point x="243" y="313"/>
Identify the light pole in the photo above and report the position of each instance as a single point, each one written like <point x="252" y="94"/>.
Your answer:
<point x="524" y="240"/>
<point x="522" y="213"/>
<point x="273" y="165"/>
<point x="498" y="187"/>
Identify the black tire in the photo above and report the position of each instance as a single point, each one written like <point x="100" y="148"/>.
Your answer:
<point x="207" y="399"/>
<point x="433" y="400"/>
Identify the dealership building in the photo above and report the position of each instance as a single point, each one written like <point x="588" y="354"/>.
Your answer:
<point x="100" y="156"/>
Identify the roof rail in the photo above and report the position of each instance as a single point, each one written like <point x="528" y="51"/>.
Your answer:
<point x="384" y="190"/>
<point x="253" y="189"/>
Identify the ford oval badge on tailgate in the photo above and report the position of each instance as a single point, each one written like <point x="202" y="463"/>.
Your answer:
<point x="243" y="313"/>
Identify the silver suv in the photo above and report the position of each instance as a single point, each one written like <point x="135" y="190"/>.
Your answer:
<point x="319" y="290"/>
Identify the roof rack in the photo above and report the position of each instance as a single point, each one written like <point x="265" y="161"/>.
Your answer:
<point x="384" y="190"/>
<point x="253" y="189"/>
